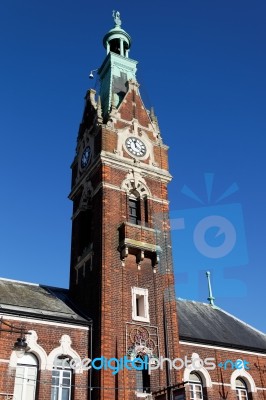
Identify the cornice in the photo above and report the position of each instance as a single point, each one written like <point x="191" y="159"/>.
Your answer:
<point x="149" y="170"/>
<point x="123" y="164"/>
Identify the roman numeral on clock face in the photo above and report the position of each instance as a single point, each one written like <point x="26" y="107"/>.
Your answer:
<point x="135" y="146"/>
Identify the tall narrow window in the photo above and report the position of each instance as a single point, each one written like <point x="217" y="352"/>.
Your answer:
<point x="61" y="382"/>
<point x="146" y="380"/>
<point x="146" y="211"/>
<point x="140" y="304"/>
<point x="143" y="381"/>
<point x="134" y="211"/>
<point x="241" y="389"/>
<point x="195" y="387"/>
<point x="26" y="378"/>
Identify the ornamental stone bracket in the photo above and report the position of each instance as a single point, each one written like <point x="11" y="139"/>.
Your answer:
<point x="139" y="257"/>
<point x="141" y="251"/>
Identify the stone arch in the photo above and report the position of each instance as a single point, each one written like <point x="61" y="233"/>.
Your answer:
<point x="65" y="349"/>
<point x="242" y="373"/>
<point x="35" y="349"/>
<point x="202" y="372"/>
<point x="199" y="369"/>
<point x="135" y="185"/>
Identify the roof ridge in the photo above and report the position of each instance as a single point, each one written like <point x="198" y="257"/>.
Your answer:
<point x="243" y="322"/>
<point x="194" y="301"/>
<point x="53" y="287"/>
<point x="16" y="281"/>
<point x="225" y="312"/>
<point x="44" y="286"/>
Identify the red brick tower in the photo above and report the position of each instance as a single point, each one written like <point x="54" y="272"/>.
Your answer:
<point x="121" y="262"/>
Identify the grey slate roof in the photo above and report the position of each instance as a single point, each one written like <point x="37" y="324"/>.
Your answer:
<point x="200" y="322"/>
<point x="45" y="302"/>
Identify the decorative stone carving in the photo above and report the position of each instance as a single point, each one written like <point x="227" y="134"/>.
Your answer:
<point x="92" y="94"/>
<point x="66" y="350"/>
<point x="142" y="341"/>
<point x="135" y="184"/>
<point x="35" y="349"/>
<point x="86" y="196"/>
<point x="99" y="110"/>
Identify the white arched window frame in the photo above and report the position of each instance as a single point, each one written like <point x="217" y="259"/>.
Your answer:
<point x="35" y="349"/>
<point x="66" y="350"/>
<point x="246" y="377"/>
<point x="137" y="191"/>
<point x="58" y="363"/>
<point x="200" y="370"/>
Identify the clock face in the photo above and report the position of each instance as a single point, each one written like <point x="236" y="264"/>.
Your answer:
<point x="85" y="158"/>
<point x="135" y="146"/>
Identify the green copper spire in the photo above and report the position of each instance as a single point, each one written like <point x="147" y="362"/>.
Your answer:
<point x="117" y="40"/>
<point x="117" y="68"/>
<point x="210" y="298"/>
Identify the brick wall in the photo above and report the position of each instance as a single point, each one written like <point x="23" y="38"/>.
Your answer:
<point x="221" y="377"/>
<point x="124" y="255"/>
<point x="48" y="338"/>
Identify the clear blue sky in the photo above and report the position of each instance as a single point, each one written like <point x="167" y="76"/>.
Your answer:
<point x="201" y="65"/>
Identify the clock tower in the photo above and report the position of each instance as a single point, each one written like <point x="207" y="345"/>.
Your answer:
<point x="121" y="270"/>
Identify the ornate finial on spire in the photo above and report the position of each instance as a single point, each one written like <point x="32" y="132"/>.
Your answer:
<point x="113" y="102"/>
<point x="210" y="298"/>
<point x="153" y="116"/>
<point x="117" y="19"/>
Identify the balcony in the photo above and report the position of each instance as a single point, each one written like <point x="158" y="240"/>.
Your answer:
<point x="138" y="240"/>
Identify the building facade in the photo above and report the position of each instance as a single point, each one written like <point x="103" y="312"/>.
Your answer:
<point x="237" y="350"/>
<point x="121" y="262"/>
<point x="55" y="332"/>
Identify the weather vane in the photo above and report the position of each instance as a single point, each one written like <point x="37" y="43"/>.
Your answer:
<point x="117" y="19"/>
